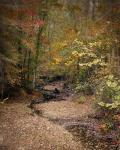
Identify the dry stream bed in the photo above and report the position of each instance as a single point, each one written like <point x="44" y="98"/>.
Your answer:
<point x="57" y="124"/>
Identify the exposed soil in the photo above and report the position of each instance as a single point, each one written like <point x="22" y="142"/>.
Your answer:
<point x="19" y="130"/>
<point x="57" y="125"/>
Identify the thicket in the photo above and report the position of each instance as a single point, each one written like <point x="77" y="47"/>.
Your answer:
<point x="84" y="56"/>
<point x="68" y="39"/>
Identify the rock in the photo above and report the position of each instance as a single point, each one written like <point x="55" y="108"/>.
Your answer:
<point x="34" y="101"/>
<point x="57" y="91"/>
<point x="49" y="95"/>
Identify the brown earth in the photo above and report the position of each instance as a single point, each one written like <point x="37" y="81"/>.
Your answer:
<point x="20" y="130"/>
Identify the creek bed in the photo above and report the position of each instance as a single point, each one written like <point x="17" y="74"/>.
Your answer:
<point x="92" y="138"/>
<point x="75" y="118"/>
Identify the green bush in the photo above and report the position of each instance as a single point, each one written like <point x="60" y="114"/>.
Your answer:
<point x="85" y="88"/>
<point x="108" y="93"/>
<point x="81" y="100"/>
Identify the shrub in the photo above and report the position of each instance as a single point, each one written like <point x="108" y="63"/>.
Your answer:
<point x="85" y="88"/>
<point x="108" y="93"/>
<point x="81" y="100"/>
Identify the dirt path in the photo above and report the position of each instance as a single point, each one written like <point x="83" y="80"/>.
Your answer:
<point x="65" y="111"/>
<point x="19" y="130"/>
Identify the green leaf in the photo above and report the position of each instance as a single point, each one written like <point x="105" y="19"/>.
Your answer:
<point x="101" y="104"/>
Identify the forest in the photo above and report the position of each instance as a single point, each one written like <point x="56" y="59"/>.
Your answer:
<point x="59" y="74"/>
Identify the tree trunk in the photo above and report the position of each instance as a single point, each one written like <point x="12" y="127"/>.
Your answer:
<point x="92" y="9"/>
<point x="2" y="80"/>
<point x="23" y="76"/>
<point x="28" y="75"/>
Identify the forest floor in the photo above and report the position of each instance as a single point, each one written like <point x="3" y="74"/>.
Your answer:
<point x="22" y="129"/>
